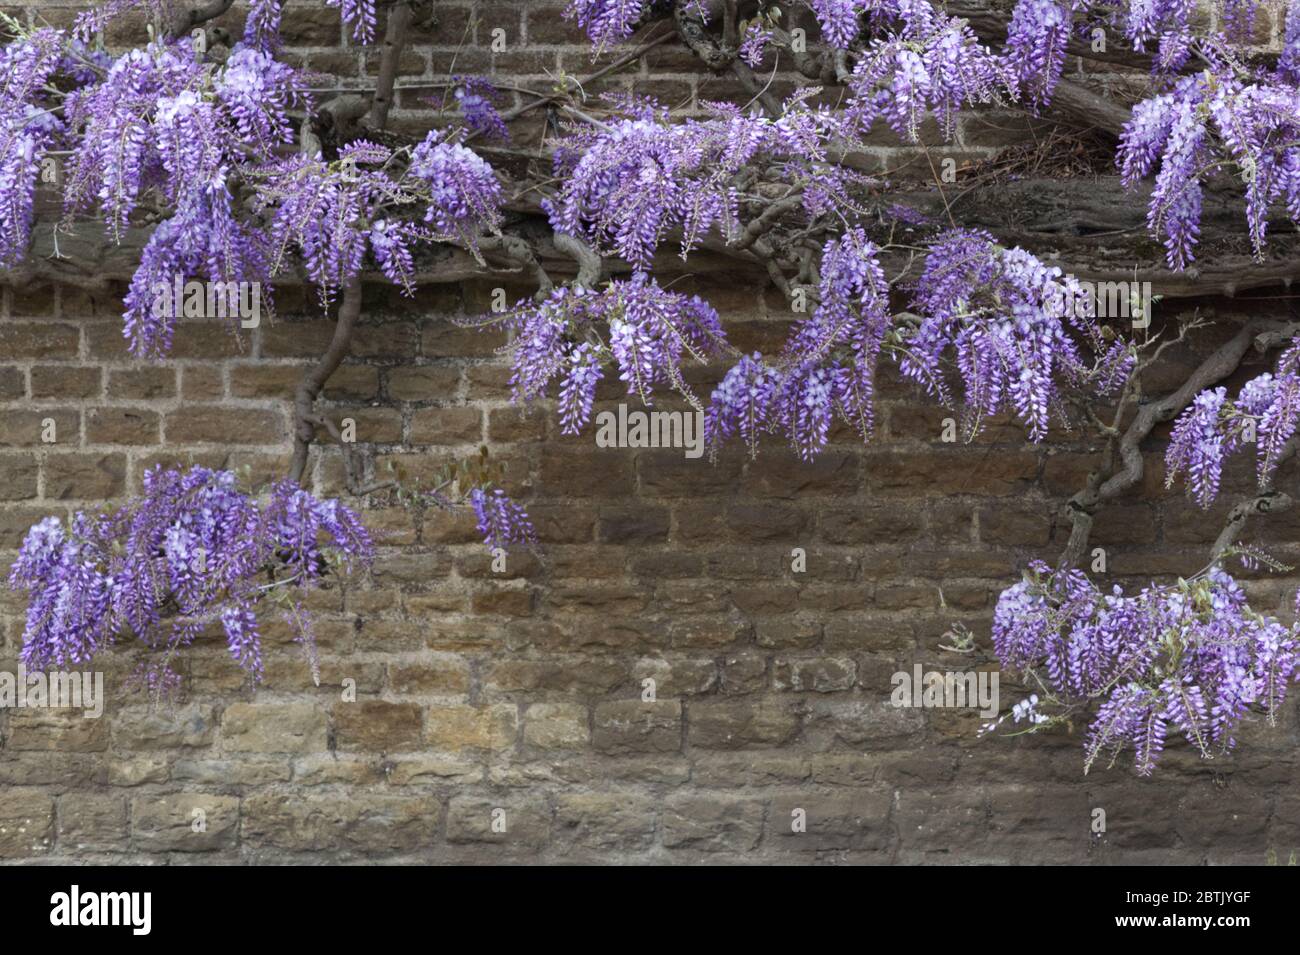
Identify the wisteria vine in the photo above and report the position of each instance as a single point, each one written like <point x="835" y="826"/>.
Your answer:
<point x="219" y="161"/>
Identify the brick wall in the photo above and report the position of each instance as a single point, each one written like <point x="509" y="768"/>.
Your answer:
<point x="482" y="695"/>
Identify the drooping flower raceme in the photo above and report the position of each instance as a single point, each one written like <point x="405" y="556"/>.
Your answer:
<point x="501" y="521"/>
<point x="645" y="331"/>
<point x="192" y="549"/>
<point x="477" y="98"/>
<point x="1206" y="121"/>
<point x="464" y="195"/>
<point x="608" y="22"/>
<point x="1016" y="327"/>
<point x="625" y="187"/>
<point x="1190" y="659"/>
<point x="195" y="148"/>
<point x="927" y="62"/>
<point x="27" y="130"/>
<point x="1266" y="413"/>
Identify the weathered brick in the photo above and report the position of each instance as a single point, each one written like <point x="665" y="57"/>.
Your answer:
<point x="26" y="823"/>
<point x="741" y="724"/>
<point x="378" y="726"/>
<point x="222" y="425"/>
<point x="84" y="476"/>
<point x="556" y="726"/>
<point x="144" y="728"/>
<point x="361" y="823"/>
<point x="184" y="822"/>
<point x="93" y="822"/>
<point x="505" y="822"/>
<point x="607" y="822"/>
<point x="122" y="426"/>
<point x="457" y="727"/>
<point x="274" y="728"/>
<point x="632" y="726"/>
<point x="706" y="823"/>
<point x="40" y="340"/>
<point x="66" y="381"/>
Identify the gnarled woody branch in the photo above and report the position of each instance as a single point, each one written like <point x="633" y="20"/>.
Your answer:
<point x="309" y="388"/>
<point x="314" y="380"/>
<point x="1267" y="501"/>
<point x="1115" y="477"/>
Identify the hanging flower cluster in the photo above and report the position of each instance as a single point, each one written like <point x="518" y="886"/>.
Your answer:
<point x="263" y="23"/>
<point x="28" y="129"/>
<point x="627" y="185"/>
<point x="501" y="521"/>
<point x="477" y="99"/>
<point x="1265" y="413"/>
<point x="200" y="148"/>
<point x="648" y="332"/>
<point x="608" y="22"/>
<point x="829" y="363"/>
<point x="1009" y="320"/>
<point x="192" y="549"/>
<point x="1035" y="51"/>
<point x="1191" y="659"/>
<point x="1017" y="329"/>
<point x="464" y="196"/>
<point x="1221" y="117"/>
<point x="926" y="61"/>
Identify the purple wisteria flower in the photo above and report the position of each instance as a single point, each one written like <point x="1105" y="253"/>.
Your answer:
<point x="926" y="62"/>
<point x="608" y="22"/>
<point x="742" y="403"/>
<point x="477" y="99"/>
<point x="1190" y="658"/>
<point x="191" y="549"/>
<point x="1036" y="42"/>
<point x="501" y="521"/>
<point x="754" y="43"/>
<point x="27" y="130"/>
<point x="1266" y="413"/>
<point x="644" y="330"/>
<point x="464" y="194"/>
<point x="359" y="15"/>
<point x="1016" y="327"/>
<point x="840" y="20"/>
<point x="1208" y="120"/>
<point x="627" y="185"/>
